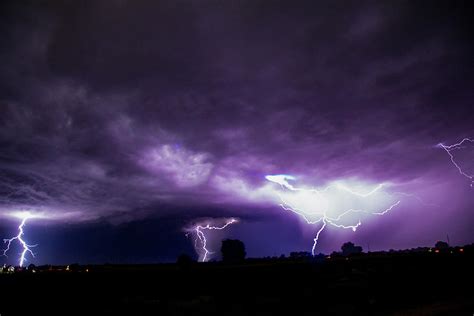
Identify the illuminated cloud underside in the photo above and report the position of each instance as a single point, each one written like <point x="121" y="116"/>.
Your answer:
<point x="324" y="205"/>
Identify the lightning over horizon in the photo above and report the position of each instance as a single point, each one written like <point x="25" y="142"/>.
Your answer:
<point x="202" y="240"/>
<point x="321" y="215"/>
<point x="25" y="246"/>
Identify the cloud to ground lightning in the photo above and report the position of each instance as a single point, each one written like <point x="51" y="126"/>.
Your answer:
<point x="26" y="248"/>
<point x="201" y="240"/>
<point x="319" y="205"/>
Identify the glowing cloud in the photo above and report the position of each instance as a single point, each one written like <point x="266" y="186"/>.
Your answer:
<point x="333" y="204"/>
<point x="184" y="167"/>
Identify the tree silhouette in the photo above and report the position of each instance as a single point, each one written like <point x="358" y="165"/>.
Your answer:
<point x="233" y="250"/>
<point x="300" y="254"/>
<point x="441" y="245"/>
<point x="185" y="260"/>
<point x="349" y="248"/>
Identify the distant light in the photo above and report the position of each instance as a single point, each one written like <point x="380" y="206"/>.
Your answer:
<point x="437" y="250"/>
<point x="461" y="250"/>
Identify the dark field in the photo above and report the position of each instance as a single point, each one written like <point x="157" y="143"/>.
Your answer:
<point x="375" y="284"/>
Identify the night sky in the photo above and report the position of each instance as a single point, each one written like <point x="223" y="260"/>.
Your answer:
<point x="123" y="124"/>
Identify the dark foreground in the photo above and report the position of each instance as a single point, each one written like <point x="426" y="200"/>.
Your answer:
<point x="397" y="284"/>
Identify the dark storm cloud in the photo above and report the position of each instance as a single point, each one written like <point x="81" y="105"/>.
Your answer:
<point x="125" y="109"/>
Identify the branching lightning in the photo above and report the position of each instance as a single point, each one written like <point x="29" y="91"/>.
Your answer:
<point x="201" y="241"/>
<point x="323" y="214"/>
<point x="26" y="248"/>
<point x="449" y="149"/>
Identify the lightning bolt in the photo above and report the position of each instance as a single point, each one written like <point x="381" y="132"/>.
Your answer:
<point x="457" y="146"/>
<point x="323" y="216"/>
<point x="202" y="240"/>
<point x="26" y="247"/>
<point x="317" y="236"/>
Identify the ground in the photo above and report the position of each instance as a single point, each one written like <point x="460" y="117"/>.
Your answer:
<point x="376" y="284"/>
